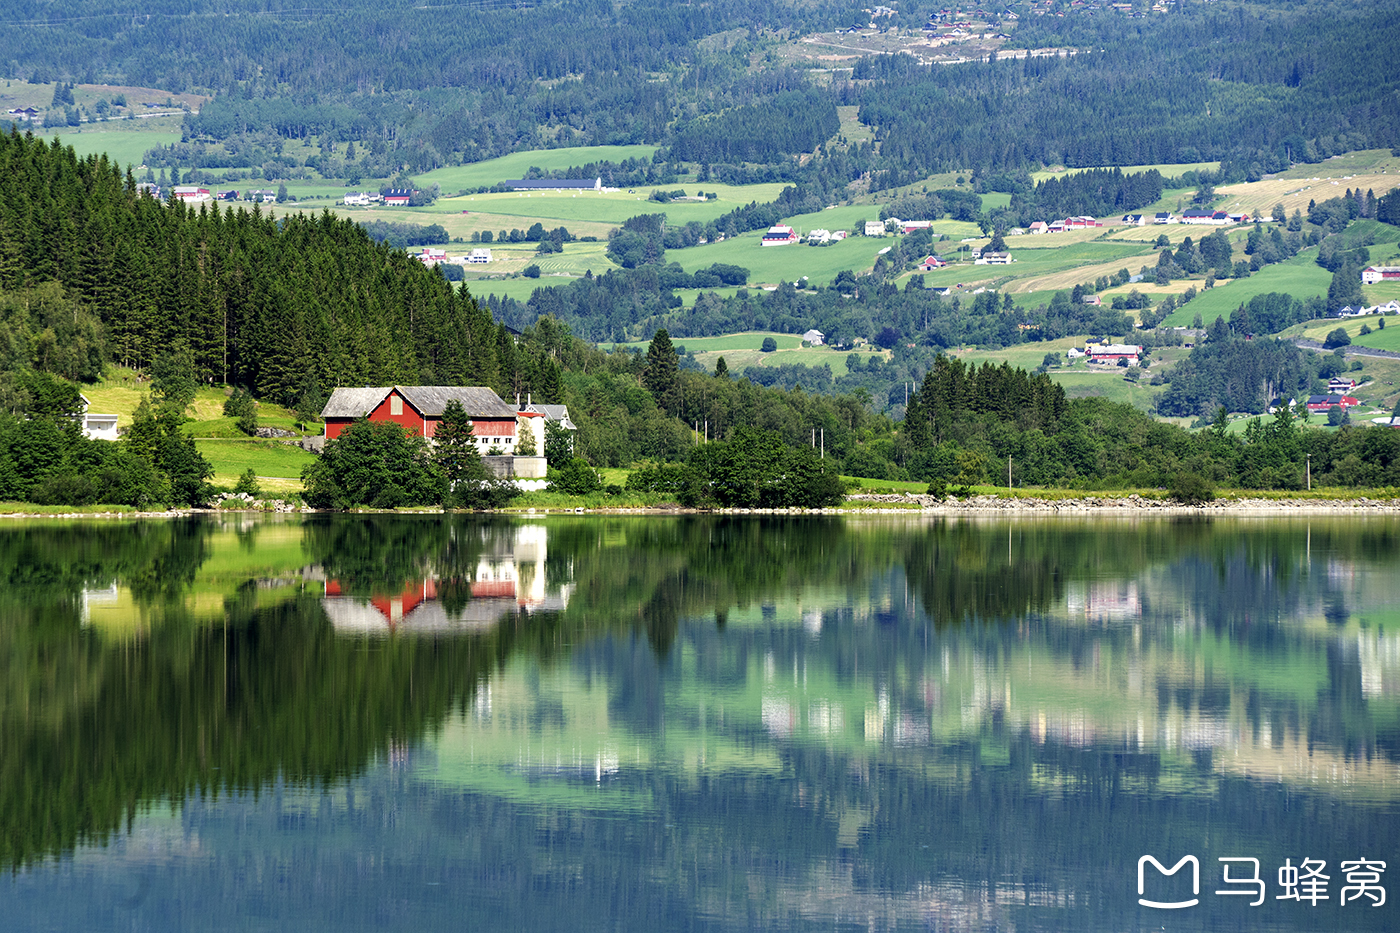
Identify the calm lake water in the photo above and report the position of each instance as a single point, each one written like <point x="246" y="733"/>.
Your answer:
<point x="457" y="723"/>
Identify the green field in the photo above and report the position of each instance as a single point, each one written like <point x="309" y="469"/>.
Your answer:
<point x="1378" y="339"/>
<point x="520" y="289"/>
<point x="1024" y="355"/>
<point x="493" y="171"/>
<point x="611" y="207"/>
<point x="125" y="141"/>
<point x="743" y="350"/>
<point x="277" y="466"/>
<point x="1111" y="386"/>
<point x="747" y="340"/>
<point x="1168" y="170"/>
<point x="772" y="264"/>
<point x="1300" y="277"/>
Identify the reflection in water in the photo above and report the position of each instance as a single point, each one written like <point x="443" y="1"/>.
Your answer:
<point x="509" y="577"/>
<point x="685" y="723"/>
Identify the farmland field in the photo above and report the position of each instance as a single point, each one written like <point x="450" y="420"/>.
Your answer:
<point x="1167" y="170"/>
<point x="124" y="141"/>
<point x="745" y="340"/>
<point x="492" y="171"/>
<point x="743" y="350"/>
<point x="1109" y="385"/>
<point x="611" y="207"/>
<point x="772" y="264"/>
<point x="1024" y="356"/>
<point x="1382" y="292"/>
<point x="1300" y="277"/>
<point x="1369" y="169"/>
<point x="1379" y="339"/>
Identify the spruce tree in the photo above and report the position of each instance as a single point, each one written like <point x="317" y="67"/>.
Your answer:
<point x="662" y="374"/>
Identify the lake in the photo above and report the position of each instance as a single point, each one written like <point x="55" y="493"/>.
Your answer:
<point x="427" y="722"/>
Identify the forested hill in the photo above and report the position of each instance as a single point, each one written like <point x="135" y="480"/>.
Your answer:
<point x="1255" y="84"/>
<point x="285" y="307"/>
<point x="1240" y="82"/>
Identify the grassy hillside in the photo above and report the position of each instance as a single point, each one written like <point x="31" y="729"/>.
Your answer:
<point x="1300" y="277"/>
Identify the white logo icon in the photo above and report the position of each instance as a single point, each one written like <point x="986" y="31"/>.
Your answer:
<point x="1173" y="905"/>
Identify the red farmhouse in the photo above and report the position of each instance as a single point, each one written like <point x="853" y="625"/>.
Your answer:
<point x="419" y="408"/>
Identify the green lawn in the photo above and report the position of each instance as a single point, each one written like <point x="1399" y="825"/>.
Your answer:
<point x="1300" y="277"/>
<point x="457" y="177"/>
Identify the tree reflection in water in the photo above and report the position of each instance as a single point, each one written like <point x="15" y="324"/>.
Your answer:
<point x="974" y="725"/>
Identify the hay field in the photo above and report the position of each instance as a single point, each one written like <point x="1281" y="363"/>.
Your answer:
<point x="1370" y="169"/>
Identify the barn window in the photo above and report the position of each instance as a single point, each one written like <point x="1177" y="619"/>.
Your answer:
<point x="395" y="405"/>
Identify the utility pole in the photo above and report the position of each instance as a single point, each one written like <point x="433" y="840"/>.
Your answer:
<point x="823" y="456"/>
<point x="1309" y="472"/>
<point x="1008" y="472"/>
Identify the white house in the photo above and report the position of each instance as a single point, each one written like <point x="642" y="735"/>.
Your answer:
<point x="989" y="258"/>
<point x="814" y="337"/>
<point x="874" y="228"/>
<point x="478" y="257"/>
<point x="98" y="427"/>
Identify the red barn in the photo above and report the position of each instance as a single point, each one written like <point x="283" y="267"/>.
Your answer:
<point x="1324" y="403"/>
<point x="420" y="408"/>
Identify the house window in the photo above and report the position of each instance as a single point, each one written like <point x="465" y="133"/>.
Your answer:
<point x="395" y="405"/>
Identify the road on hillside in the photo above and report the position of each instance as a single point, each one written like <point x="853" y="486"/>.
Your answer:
<point x="1347" y="351"/>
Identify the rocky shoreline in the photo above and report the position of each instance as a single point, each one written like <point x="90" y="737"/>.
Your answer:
<point x="1129" y="503"/>
<point x="866" y="503"/>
